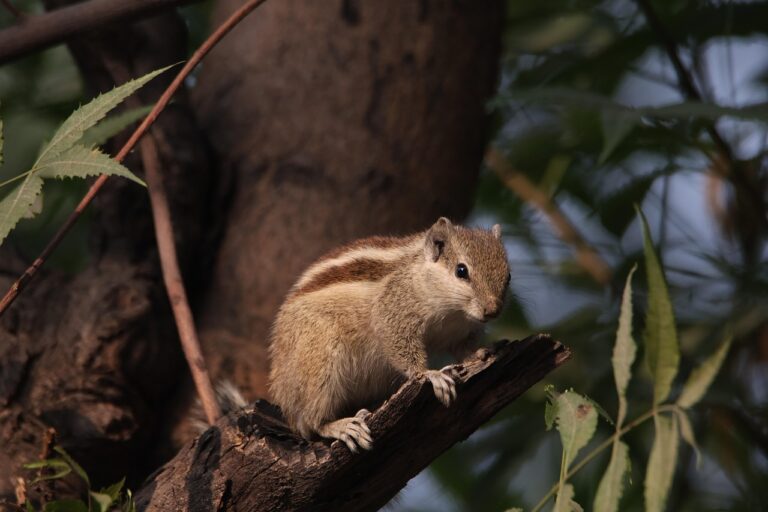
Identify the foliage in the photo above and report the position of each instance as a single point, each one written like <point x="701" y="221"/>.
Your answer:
<point x="590" y="111"/>
<point x="113" y="497"/>
<point x="576" y="416"/>
<point x="69" y="153"/>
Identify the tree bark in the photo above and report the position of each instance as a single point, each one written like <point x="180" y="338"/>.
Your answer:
<point x="329" y="120"/>
<point x="333" y="121"/>
<point x="250" y="460"/>
<point x="96" y="356"/>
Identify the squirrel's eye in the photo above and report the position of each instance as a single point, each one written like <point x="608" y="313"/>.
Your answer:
<point x="462" y="272"/>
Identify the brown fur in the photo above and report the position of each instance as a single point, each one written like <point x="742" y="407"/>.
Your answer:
<point x="363" y="317"/>
<point x="378" y="242"/>
<point x="357" y="270"/>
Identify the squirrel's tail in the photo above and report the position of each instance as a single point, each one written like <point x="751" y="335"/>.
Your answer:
<point x="229" y="399"/>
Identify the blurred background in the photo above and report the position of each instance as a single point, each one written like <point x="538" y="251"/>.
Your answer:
<point x="590" y="118"/>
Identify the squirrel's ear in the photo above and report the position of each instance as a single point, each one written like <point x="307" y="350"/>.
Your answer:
<point x="496" y="230"/>
<point x="435" y="239"/>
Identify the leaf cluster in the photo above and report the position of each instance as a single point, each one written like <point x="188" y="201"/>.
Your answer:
<point x="72" y="153"/>
<point x="111" y="498"/>
<point x="575" y="416"/>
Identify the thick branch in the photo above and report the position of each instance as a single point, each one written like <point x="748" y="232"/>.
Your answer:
<point x="32" y="33"/>
<point x="250" y="461"/>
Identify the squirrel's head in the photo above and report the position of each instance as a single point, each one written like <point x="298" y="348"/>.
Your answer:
<point x="466" y="269"/>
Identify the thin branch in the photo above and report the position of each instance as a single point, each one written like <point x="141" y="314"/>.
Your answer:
<point x="683" y="76"/>
<point x="40" y="31"/>
<point x="601" y="447"/>
<point x="749" y="204"/>
<point x="12" y="9"/>
<point x="586" y="256"/>
<point x="174" y="283"/>
<point x="199" y="54"/>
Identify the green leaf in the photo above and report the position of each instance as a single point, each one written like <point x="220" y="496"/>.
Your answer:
<point x="576" y="420"/>
<point x="661" y="464"/>
<point x="514" y="509"/>
<point x="105" y="130"/>
<point x="701" y="378"/>
<point x="65" y="506"/>
<point x="102" y="501"/>
<point x="59" y="467"/>
<point x="16" y="205"/>
<point x="576" y="98"/>
<point x="1" y="142"/>
<point x="616" y="208"/>
<point x="88" y="115"/>
<point x="565" y="501"/>
<point x="662" y="353"/>
<point x="129" y="505"/>
<point x="616" y="126"/>
<point x="624" y="350"/>
<point x="81" y="162"/>
<point x="550" y="413"/>
<point x="113" y="491"/>
<point x="28" y="506"/>
<point x="612" y="484"/>
<point x="61" y="157"/>
<point x="45" y="464"/>
<point x="74" y="465"/>
<point x="686" y="432"/>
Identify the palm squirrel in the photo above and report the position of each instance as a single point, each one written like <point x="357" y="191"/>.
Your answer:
<point x="365" y="315"/>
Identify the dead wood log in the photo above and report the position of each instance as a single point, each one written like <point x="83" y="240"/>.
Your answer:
<point x="250" y="460"/>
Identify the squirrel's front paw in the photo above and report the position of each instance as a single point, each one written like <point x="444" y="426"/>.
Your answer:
<point x="443" y="384"/>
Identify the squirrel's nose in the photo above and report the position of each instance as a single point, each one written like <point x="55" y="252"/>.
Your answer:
<point x="492" y="309"/>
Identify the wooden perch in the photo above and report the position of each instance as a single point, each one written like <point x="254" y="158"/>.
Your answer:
<point x="250" y="461"/>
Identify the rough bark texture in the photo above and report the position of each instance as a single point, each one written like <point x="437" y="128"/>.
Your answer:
<point x="96" y="356"/>
<point x="330" y="121"/>
<point x="335" y="120"/>
<point x="250" y="461"/>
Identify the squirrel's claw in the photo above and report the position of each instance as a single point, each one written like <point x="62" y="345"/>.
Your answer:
<point x="353" y="432"/>
<point x="443" y="385"/>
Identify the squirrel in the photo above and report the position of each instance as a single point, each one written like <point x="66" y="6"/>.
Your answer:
<point x="365" y="316"/>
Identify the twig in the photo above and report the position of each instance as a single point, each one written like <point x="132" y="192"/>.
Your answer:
<point x="602" y="446"/>
<point x="199" y="54"/>
<point x="586" y="256"/>
<point x="12" y="9"/>
<point x="683" y="76"/>
<point x="174" y="283"/>
<point x="749" y="199"/>
<point x="43" y="30"/>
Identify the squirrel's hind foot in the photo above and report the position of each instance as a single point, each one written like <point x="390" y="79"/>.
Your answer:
<point x="353" y="432"/>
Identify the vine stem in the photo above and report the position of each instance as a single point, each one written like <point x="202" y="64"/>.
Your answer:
<point x="174" y="284"/>
<point x="602" y="446"/>
<point x="12" y="9"/>
<point x="198" y="56"/>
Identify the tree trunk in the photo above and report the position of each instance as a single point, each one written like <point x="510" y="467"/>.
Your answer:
<point x="329" y="121"/>
<point x="96" y="356"/>
<point x="333" y="121"/>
